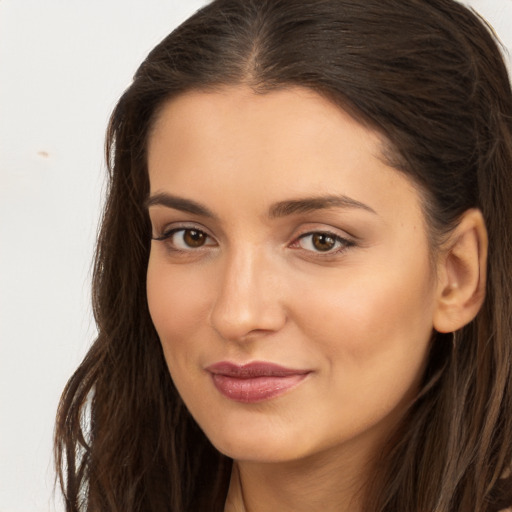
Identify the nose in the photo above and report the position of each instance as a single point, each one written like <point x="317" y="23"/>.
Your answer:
<point x="248" y="298"/>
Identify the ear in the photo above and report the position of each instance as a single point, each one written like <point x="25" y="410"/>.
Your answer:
<point x="461" y="274"/>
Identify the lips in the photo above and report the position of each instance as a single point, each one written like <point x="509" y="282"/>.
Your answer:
<point x="254" y="382"/>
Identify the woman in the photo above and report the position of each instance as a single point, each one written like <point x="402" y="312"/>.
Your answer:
<point x="302" y="283"/>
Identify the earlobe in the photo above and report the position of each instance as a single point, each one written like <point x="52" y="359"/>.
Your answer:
<point x="461" y="274"/>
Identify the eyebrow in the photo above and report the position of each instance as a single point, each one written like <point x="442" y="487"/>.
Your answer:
<point x="309" y="204"/>
<point x="277" y="210"/>
<point x="178" y="203"/>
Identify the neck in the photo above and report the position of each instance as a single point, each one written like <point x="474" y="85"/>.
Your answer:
<point x="322" y="482"/>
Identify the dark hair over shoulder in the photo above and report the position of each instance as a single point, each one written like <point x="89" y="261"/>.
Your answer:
<point x="428" y="76"/>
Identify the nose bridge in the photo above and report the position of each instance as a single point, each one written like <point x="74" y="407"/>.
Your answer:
<point x="247" y="298"/>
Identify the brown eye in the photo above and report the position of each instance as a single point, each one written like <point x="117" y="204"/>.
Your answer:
<point x="194" y="238"/>
<point x="323" y="241"/>
<point x="186" y="239"/>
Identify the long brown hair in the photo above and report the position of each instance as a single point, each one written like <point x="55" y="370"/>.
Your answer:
<point x="427" y="75"/>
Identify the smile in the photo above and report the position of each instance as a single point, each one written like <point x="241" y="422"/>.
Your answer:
<point x="254" y="382"/>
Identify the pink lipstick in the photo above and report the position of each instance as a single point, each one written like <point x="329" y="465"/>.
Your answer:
<point x="254" y="382"/>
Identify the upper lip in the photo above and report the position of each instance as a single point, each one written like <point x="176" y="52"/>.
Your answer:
<point x="253" y="369"/>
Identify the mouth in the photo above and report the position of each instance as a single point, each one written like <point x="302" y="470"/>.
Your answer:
<point x="254" y="382"/>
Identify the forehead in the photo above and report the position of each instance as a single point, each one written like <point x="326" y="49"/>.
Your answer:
<point x="236" y="144"/>
<point x="289" y="107"/>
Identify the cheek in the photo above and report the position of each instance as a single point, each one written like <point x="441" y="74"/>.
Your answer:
<point x="374" y="330"/>
<point x="177" y="300"/>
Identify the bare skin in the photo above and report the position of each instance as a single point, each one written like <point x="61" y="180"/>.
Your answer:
<point x="282" y="236"/>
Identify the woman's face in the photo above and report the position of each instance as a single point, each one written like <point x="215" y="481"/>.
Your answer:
<point x="290" y="281"/>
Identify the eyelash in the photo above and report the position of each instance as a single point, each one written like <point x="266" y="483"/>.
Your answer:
<point x="341" y="244"/>
<point x="166" y="237"/>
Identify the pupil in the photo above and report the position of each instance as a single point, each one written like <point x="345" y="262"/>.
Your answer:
<point x="194" y="238"/>
<point x="323" y="242"/>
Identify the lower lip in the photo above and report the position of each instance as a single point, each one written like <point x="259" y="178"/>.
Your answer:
<point x="255" y="389"/>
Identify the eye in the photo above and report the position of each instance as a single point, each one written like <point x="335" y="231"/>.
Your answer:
<point x="185" y="239"/>
<point x="322" y="242"/>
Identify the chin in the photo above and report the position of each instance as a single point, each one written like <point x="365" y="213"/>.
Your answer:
<point x="260" y="444"/>
<point x="254" y="452"/>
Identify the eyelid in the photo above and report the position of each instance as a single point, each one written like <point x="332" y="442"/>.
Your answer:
<point x="168" y="229"/>
<point x="179" y="248"/>
<point x="336" y="237"/>
<point x="316" y="227"/>
<point x="175" y="243"/>
<point x="341" y="237"/>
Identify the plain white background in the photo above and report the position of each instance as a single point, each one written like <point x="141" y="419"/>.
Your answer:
<point x="63" y="64"/>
